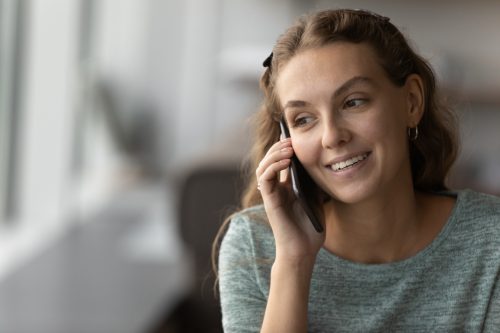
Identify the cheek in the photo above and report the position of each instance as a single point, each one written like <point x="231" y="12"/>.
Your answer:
<point x="389" y="132"/>
<point x="386" y="122"/>
<point x="374" y="130"/>
<point x="307" y="149"/>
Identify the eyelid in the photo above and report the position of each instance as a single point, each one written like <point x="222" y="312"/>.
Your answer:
<point x="292" y="114"/>
<point x="299" y="117"/>
<point x="362" y="100"/>
<point x="363" y="96"/>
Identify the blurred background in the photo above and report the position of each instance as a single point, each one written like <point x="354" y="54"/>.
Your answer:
<point x="123" y="124"/>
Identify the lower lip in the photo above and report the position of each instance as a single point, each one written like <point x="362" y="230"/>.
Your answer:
<point x="352" y="169"/>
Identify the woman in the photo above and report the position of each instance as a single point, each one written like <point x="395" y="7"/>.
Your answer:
<point x="399" y="252"/>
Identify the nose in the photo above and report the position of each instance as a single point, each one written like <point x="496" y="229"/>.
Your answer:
<point x="335" y="133"/>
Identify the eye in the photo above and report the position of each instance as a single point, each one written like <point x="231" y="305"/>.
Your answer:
<point x="354" y="103"/>
<point x="302" y="121"/>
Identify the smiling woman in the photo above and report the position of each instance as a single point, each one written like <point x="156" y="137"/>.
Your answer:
<point x="367" y="124"/>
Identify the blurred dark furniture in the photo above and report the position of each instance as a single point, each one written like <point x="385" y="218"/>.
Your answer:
<point x="208" y="194"/>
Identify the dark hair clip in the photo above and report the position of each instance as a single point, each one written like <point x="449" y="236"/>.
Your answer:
<point x="267" y="62"/>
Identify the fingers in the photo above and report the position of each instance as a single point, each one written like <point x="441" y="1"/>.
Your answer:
<point x="283" y="176"/>
<point x="268" y="179"/>
<point x="276" y="160"/>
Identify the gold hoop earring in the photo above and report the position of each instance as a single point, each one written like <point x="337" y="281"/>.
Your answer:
<point x="413" y="133"/>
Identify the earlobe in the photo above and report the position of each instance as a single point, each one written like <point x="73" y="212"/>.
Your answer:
<point x="415" y="98"/>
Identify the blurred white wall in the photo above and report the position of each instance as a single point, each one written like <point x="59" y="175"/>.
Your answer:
<point x="206" y="56"/>
<point x="48" y="91"/>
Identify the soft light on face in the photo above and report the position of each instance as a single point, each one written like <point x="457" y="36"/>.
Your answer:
<point x="347" y="120"/>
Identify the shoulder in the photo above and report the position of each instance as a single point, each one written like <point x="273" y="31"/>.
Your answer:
<point x="249" y="222"/>
<point x="248" y="235"/>
<point x="478" y="214"/>
<point x="254" y="215"/>
<point x="472" y="205"/>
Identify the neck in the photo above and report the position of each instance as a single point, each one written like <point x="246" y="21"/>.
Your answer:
<point x="384" y="229"/>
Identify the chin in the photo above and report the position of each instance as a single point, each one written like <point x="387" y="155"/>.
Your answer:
<point x="352" y="195"/>
<point x="348" y="199"/>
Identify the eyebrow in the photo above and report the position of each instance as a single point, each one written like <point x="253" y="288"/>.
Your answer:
<point x="352" y="82"/>
<point x="339" y="91"/>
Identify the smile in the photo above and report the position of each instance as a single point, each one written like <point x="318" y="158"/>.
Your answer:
<point x="348" y="163"/>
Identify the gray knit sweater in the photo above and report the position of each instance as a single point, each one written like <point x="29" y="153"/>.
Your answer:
<point x="453" y="285"/>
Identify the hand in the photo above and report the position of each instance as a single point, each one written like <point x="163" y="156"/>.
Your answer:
<point x="294" y="234"/>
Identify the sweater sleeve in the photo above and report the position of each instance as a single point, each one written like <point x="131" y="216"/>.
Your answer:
<point x="242" y="299"/>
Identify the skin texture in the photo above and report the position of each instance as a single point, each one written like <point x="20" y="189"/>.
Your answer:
<point x="340" y="104"/>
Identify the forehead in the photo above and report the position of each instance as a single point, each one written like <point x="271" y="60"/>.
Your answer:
<point x="327" y="67"/>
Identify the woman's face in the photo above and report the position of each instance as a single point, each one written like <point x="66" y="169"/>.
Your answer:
<point x="348" y="121"/>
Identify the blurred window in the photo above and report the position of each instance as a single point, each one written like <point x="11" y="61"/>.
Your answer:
<point x="11" y="33"/>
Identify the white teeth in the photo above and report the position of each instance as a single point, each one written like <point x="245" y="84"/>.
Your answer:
<point x="348" y="163"/>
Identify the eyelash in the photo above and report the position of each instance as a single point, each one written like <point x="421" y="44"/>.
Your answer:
<point x="362" y="100"/>
<point x="304" y="120"/>
<point x="301" y="121"/>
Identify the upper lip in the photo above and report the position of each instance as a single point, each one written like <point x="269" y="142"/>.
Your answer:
<point x="346" y="157"/>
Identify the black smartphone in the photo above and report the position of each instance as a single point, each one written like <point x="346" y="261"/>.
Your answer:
<point x="304" y="187"/>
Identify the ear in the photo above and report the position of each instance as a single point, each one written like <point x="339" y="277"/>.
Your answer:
<point x="415" y="99"/>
